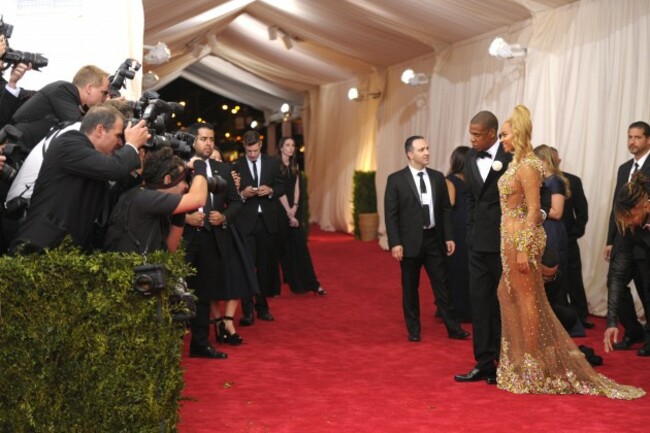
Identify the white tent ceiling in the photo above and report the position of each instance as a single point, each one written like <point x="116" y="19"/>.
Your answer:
<point x="224" y="45"/>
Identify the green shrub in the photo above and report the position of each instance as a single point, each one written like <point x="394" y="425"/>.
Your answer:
<point x="81" y="351"/>
<point x="364" y="196"/>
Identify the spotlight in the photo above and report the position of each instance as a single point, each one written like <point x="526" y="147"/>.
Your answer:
<point x="504" y="50"/>
<point x="254" y="124"/>
<point x="355" y="95"/>
<point x="285" y="108"/>
<point x="273" y="33"/>
<point x="412" y="79"/>
<point x="288" y="43"/>
<point x="157" y="54"/>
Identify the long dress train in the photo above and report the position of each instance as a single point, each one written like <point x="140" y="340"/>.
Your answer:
<point x="537" y="355"/>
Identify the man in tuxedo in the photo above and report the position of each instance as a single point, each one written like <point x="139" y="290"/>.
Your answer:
<point x="206" y="241"/>
<point x="638" y="143"/>
<point x="418" y="225"/>
<point x="575" y="217"/>
<point x="11" y="95"/>
<point x="260" y="185"/>
<point x="632" y="215"/>
<point x="485" y="164"/>
<point x="73" y="181"/>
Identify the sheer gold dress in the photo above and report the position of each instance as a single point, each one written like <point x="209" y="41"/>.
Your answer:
<point x="537" y="355"/>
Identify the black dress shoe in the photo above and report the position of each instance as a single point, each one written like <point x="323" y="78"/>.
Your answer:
<point x="644" y="351"/>
<point x="414" y="337"/>
<point x="491" y="379"/>
<point x="587" y="324"/>
<point x="627" y="342"/>
<point x="206" y="352"/>
<point x="474" y="375"/>
<point x="247" y="320"/>
<point x="265" y="316"/>
<point x="459" y="334"/>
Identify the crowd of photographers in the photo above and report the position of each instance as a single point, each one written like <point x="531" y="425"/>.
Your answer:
<point x="77" y="160"/>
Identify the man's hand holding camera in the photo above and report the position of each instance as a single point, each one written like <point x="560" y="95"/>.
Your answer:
<point x="136" y="135"/>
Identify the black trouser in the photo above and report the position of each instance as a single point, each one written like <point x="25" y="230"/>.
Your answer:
<point x="575" y="285"/>
<point x="433" y="257"/>
<point x="484" y="276"/>
<point x="263" y="247"/>
<point x="626" y="309"/>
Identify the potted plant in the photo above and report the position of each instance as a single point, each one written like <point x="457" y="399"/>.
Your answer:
<point x="364" y="206"/>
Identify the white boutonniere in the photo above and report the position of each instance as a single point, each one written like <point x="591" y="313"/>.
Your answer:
<point x="497" y="166"/>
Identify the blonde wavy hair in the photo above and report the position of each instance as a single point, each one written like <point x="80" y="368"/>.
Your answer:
<point x="548" y="155"/>
<point x="522" y="130"/>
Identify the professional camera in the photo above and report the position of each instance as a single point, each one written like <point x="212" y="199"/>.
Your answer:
<point x="155" y="112"/>
<point x="117" y="80"/>
<point x="14" y="57"/>
<point x="181" y="303"/>
<point x="149" y="279"/>
<point x="15" y="153"/>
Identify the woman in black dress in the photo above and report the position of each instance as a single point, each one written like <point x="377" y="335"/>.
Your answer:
<point x="297" y="267"/>
<point x="458" y="262"/>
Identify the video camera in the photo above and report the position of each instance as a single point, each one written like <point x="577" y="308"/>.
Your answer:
<point x="117" y="81"/>
<point x="14" y="57"/>
<point x="155" y="112"/>
<point x="9" y="136"/>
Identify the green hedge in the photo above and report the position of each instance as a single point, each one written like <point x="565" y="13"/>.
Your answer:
<point x="81" y="351"/>
<point x="364" y="196"/>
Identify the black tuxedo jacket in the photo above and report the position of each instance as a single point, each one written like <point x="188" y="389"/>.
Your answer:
<point x="576" y="209"/>
<point x="226" y="202"/>
<point x="483" y="208"/>
<point x="10" y="103"/>
<point x="403" y="210"/>
<point x="55" y="103"/>
<point x="621" y="179"/>
<point x="71" y="189"/>
<point x="270" y="176"/>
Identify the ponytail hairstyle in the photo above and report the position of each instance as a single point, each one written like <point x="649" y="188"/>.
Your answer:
<point x="522" y="130"/>
<point x="628" y="197"/>
<point x="548" y="155"/>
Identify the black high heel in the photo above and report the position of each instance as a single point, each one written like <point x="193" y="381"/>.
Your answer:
<point x="219" y="334"/>
<point x="232" y="339"/>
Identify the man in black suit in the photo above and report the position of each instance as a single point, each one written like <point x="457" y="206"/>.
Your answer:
<point x="11" y="96"/>
<point x="638" y="143"/>
<point x="632" y="215"/>
<point x="575" y="217"/>
<point x="73" y="180"/>
<point x="418" y="225"/>
<point x="260" y="185"/>
<point x="60" y="102"/>
<point x="206" y="241"/>
<point x="485" y="164"/>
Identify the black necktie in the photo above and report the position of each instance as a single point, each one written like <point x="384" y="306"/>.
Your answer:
<point x="425" y="207"/>
<point x="636" y="167"/>
<point x="255" y="179"/>
<point x="483" y="154"/>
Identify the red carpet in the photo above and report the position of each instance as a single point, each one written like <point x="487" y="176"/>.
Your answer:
<point x="341" y="363"/>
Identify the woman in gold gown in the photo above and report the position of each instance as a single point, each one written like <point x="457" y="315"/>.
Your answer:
<point x="537" y="355"/>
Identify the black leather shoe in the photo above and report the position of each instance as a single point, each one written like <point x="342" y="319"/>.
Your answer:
<point x="459" y="334"/>
<point x="644" y="351"/>
<point x="265" y="316"/>
<point x="491" y="379"/>
<point x="627" y="342"/>
<point x="474" y="375"/>
<point x="247" y="320"/>
<point x="206" y="352"/>
<point x="587" y="324"/>
<point x="414" y="337"/>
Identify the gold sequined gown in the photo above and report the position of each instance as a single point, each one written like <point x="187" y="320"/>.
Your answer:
<point x="537" y="355"/>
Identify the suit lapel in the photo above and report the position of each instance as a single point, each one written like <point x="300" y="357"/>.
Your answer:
<point x="502" y="157"/>
<point x="408" y="178"/>
<point x="433" y="186"/>
<point x="473" y="167"/>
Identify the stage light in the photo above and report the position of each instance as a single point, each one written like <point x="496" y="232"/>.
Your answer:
<point x="254" y="124"/>
<point x="500" y="48"/>
<point x="414" y="79"/>
<point x="355" y="94"/>
<point x="157" y="54"/>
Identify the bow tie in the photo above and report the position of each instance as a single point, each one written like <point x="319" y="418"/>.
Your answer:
<point x="483" y="154"/>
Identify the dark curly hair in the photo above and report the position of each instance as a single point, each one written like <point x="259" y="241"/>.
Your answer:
<point x="159" y="163"/>
<point x="630" y="195"/>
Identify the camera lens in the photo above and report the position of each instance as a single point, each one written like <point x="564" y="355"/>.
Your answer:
<point x="144" y="284"/>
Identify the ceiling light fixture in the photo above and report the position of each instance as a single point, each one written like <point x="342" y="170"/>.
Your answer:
<point x="504" y="50"/>
<point x="157" y="54"/>
<point x="414" y="79"/>
<point x="355" y="95"/>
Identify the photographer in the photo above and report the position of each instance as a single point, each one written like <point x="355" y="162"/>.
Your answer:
<point x="60" y="102"/>
<point x="152" y="217"/>
<point x="11" y="96"/>
<point x="72" y="183"/>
